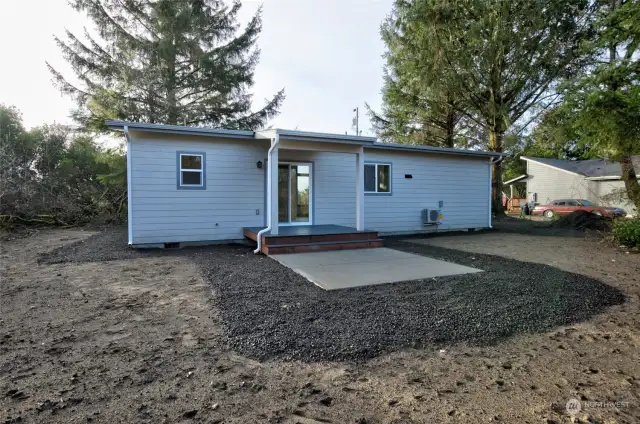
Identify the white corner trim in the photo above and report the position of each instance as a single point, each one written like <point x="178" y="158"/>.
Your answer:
<point x="360" y="188"/>
<point x="490" y="191"/>
<point x="129" y="185"/>
<point x="525" y="158"/>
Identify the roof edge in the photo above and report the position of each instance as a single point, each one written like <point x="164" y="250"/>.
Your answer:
<point x="179" y="129"/>
<point x="315" y="136"/>
<point x="433" y="149"/>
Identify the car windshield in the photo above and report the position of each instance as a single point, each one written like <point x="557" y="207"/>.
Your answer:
<point x="586" y="203"/>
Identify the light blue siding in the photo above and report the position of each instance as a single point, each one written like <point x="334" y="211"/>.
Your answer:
<point x="334" y="185"/>
<point x="234" y="189"/>
<point x="461" y="183"/>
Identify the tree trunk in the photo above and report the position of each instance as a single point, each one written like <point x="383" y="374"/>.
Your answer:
<point x="631" y="181"/>
<point x="172" y="106"/>
<point x="172" y="113"/>
<point x="495" y="145"/>
<point x="451" y="128"/>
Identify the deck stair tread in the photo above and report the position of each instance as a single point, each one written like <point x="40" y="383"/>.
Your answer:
<point x="314" y="238"/>
<point x="319" y="243"/>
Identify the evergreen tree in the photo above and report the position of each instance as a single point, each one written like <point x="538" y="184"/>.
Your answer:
<point x="416" y="109"/>
<point x="165" y="61"/>
<point x="603" y="106"/>
<point x="497" y="58"/>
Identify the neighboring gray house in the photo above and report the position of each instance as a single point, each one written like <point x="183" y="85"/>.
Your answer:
<point x="595" y="180"/>
<point x="199" y="185"/>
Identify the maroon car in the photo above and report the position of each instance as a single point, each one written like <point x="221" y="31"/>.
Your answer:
<point x="566" y="206"/>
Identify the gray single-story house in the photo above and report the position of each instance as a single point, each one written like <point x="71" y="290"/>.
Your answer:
<point x="596" y="180"/>
<point x="200" y="185"/>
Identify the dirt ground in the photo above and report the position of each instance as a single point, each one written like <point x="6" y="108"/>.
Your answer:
<point x="140" y="340"/>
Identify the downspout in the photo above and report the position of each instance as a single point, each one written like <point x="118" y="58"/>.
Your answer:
<point x="274" y="144"/>
<point x="492" y="161"/>
<point x="129" y="184"/>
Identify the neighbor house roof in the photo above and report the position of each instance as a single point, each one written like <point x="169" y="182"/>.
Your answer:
<point x="591" y="168"/>
<point x="368" y="142"/>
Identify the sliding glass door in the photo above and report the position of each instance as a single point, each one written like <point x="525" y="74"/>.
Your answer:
<point x="294" y="193"/>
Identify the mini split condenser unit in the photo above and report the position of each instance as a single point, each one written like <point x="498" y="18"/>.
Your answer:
<point x="430" y="216"/>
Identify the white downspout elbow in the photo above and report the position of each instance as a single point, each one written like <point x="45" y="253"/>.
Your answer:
<point x="274" y="144"/>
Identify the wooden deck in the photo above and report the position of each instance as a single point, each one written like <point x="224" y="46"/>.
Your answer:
<point x="313" y="238"/>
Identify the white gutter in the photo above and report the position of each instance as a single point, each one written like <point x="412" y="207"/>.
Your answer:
<point x="129" y="184"/>
<point x="274" y="144"/>
<point x="609" y="177"/>
<point x="492" y="161"/>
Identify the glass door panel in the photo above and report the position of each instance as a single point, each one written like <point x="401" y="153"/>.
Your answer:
<point x="283" y="193"/>
<point x="300" y="193"/>
<point x="294" y="194"/>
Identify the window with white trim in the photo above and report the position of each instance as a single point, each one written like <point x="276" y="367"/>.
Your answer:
<point x="377" y="178"/>
<point x="191" y="171"/>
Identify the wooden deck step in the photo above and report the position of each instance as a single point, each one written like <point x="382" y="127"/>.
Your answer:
<point x="274" y="249"/>
<point x="314" y="239"/>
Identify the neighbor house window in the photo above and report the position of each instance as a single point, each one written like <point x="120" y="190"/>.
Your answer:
<point x="191" y="170"/>
<point x="377" y="178"/>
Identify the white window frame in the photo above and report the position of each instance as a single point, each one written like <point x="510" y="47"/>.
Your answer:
<point x="201" y="170"/>
<point x="377" y="164"/>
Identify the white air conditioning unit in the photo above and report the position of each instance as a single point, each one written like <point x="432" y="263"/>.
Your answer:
<point x="430" y="216"/>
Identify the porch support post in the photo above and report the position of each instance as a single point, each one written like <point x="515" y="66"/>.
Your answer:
<point x="511" y="199"/>
<point x="273" y="168"/>
<point x="360" y="189"/>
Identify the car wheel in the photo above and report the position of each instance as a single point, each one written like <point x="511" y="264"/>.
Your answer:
<point x="548" y="214"/>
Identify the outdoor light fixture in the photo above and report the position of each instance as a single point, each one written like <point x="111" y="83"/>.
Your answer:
<point x="259" y="164"/>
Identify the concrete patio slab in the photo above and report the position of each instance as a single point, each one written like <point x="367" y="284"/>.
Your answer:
<point x="343" y="269"/>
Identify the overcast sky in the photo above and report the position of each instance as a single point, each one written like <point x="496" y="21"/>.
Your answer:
<point x="325" y="53"/>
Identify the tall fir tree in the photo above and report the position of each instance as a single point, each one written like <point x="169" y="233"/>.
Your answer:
<point x="416" y="108"/>
<point x="497" y="58"/>
<point x="164" y="61"/>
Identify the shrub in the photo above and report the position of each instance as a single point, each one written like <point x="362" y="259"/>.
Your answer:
<point x="50" y="175"/>
<point x="627" y="232"/>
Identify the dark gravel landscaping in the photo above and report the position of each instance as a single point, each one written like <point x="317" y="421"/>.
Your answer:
<point x="270" y="312"/>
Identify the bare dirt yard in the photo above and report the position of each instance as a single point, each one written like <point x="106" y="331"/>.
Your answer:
<point x="91" y="331"/>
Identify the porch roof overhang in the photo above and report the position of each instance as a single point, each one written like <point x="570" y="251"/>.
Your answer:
<point x="516" y="179"/>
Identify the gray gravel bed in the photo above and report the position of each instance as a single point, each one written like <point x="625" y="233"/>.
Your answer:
<point x="270" y="312"/>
